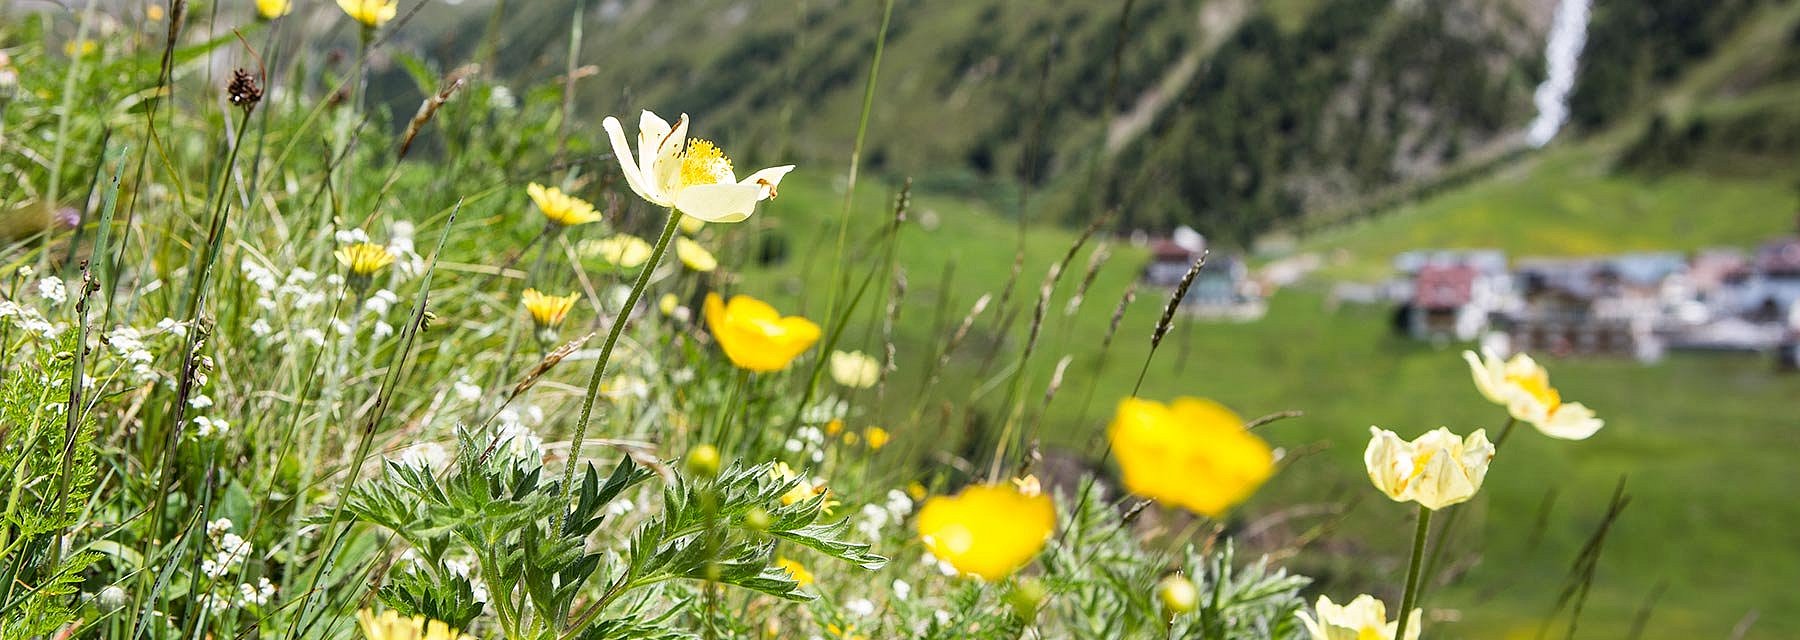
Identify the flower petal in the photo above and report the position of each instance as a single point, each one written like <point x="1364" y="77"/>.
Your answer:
<point x="719" y="202"/>
<point x="633" y="173"/>
<point x="768" y="179"/>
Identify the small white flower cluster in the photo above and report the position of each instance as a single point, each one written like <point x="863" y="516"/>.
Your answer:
<point x="233" y="550"/>
<point x="424" y="455"/>
<point x="206" y="427"/>
<point x="876" y="517"/>
<point x="28" y="319"/>
<point x="808" y="441"/>
<point x="51" y="288"/>
<point x="519" y="440"/>
<point x="128" y="344"/>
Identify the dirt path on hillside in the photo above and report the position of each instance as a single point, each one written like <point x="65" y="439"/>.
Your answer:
<point x="1217" y="21"/>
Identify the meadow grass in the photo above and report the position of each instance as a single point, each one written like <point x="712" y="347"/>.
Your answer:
<point x="1702" y="439"/>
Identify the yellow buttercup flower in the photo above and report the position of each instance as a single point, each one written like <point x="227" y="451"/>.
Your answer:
<point x="562" y="209"/>
<point x="987" y="530"/>
<point x="834" y="427"/>
<point x="1437" y="470"/>
<point x="916" y="490"/>
<point x="546" y="310"/>
<point x="272" y="9"/>
<point x="1365" y="618"/>
<point x="795" y="571"/>
<point x="668" y="303"/>
<point x="755" y="336"/>
<point x="155" y="12"/>
<point x="877" y="437"/>
<point x="364" y="258"/>
<point x="1191" y="453"/>
<point x="695" y="256"/>
<point x="855" y="369"/>
<point x="690" y="176"/>
<point x="391" y="626"/>
<point x="1523" y="387"/>
<point x="371" y="13"/>
<point x="623" y="250"/>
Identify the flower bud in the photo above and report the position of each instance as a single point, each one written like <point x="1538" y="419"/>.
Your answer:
<point x="756" y="519"/>
<point x="703" y="461"/>
<point x="1025" y="597"/>
<point x="1177" y="594"/>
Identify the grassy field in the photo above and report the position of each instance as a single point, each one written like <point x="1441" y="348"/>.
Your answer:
<point x="1703" y="441"/>
<point x="1569" y="201"/>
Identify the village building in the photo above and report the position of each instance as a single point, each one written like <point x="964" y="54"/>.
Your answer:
<point x="1451" y="294"/>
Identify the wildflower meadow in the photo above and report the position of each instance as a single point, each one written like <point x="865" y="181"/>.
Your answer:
<point x="281" y="359"/>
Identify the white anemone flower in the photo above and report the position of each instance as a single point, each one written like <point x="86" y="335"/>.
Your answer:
<point x="692" y="176"/>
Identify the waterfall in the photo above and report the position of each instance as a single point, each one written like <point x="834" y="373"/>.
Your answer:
<point x="1568" y="32"/>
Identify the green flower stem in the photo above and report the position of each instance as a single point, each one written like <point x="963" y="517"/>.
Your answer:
<point x="606" y="349"/>
<point x="1412" y="572"/>
<point x="1452" y="517"/>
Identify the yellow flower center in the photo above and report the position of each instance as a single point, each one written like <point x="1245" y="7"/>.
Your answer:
<point x="704" y="163"/>
<point x="1538" y="385"/>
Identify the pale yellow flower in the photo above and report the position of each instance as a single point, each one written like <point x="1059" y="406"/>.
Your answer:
<point x="695" y="256"/>
<point x="364" y="258"/>
<point x="1437" y="470"/>
<point x="668" y="304"/>
<point x="272" y="9"/>
<point x="691" y="225"/>
<point x="691" y="176"/>
<point x="1365" y="618"/>
<point x="371" y="13"/>
<point x="987" y="530"/>
<point x="804" y="488"/>
<point x="755" y="336"/>
<point x="1178" y="594"/>
<point x="1523" y="387"/>
<point x="855" y="369"/>
<point x="546" y="310"/>
<point x="1192" y="453"/>
<point x="391" y="626"/>
<point x="795" y="571"/>
<point x="155" y="12"/>
<point x="622" y="250"/>
<point x="562" y="209"/>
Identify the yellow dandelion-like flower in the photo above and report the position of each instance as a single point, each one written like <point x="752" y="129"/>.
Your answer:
<point x="546" y="310"/>
<point x="695" y="256"/>
<point x="796" y="571"/>
<point x="272" y="9"/>
<point x="877" y="437"/>
<point x="804" y="488"/>
<point x="834" y="427"/>
<point x="364" y="258"/>
<point x="916" y="490"/>
<point x="987" y="530"/>
<point x="1191" y="453"/>
<point x="562" y="209"/>
<point x="623" y="250"/>
<point x="391" y="626"/>
<point x="755" y="336"/>
<point x="371" y="13"/>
